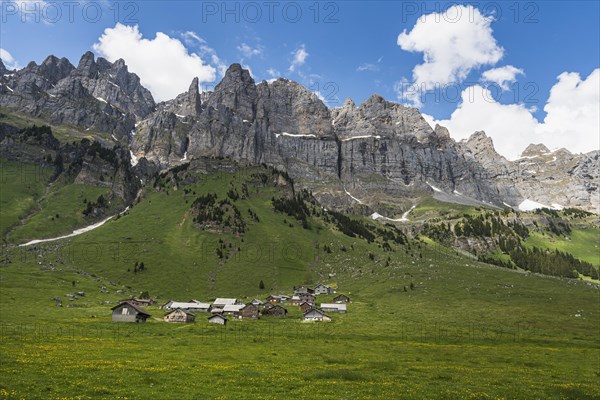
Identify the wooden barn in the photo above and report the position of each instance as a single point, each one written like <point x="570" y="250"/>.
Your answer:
<point x="217" y="319"/>
<point x="138" y="302"/>
<point x="315" y="315"/>
<point x="303" y="290"/>
<point x="323" y="289"/>
<point x="341" y="298"/>
<point x="179" y="315"/>
<point x="128" y="312"/>
<point x="276" y="311"/>
<point x="249" y="311"/>
<point x="305" y="306"/>
<point x="233" y="309"/>
<point x="307" y="297"/>
<point x="294" y="301"/>
<point x="273" y="299"/>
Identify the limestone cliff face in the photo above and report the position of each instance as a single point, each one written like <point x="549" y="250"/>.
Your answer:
<point x="559" y="178"/>
<point x="376" y="153"/>
<point x="96" y="96"/>
<point x="555" y="179"/>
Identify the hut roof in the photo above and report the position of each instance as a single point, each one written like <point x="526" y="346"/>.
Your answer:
<point x="136" y="308"/>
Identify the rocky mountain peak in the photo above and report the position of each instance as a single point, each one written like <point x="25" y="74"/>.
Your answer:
<point x="535" y="150"/>
<point x="194" y="86"/>
<point x="349" y="103"/>
<point x="87" y="65"/>
<point x="441" y="131"/>
<point x="236" y="74"/>
<point x="55" y="69"/>
<point x="187" y="103"/>
<point x="50" y="60"/>
<point x="3" y="69"/>
<point x="120" y="63"/>
<point x="237" y="91"/>
<point x="482" y="146"/>
<point x="374" y="100"/>
<point x="480" y="140"/>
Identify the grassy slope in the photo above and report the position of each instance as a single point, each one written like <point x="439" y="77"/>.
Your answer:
<point x="468" y="330"/>
<point x="22" y="184"/>
<point x="29" y="204"/>
<point x="583" y="243"/>
<point x="429" y="207"/>
<point x="66" y="202"/>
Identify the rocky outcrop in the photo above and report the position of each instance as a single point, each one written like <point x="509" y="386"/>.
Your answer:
<point x="97" y="96"/>
<point x="554" y="179"/>
<point x="114" y="84"/>
<point x="558" y="178"/>
<point x="187" y="104"/>
<point x="236" y="91"/>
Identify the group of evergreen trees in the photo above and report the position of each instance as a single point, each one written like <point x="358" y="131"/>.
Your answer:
<point x="351" y="227"/>
<point x="485" y="225"/>
<point x="549" y="262"/>
<point x="509" y="237"/>
<point x="96" y="149"/>
<point x="294" y="207"/>
<point x="222" y="213"/>
<point x="90" y="206"/>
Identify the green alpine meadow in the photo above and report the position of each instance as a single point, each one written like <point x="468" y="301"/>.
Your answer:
<point x="299" y="200"/>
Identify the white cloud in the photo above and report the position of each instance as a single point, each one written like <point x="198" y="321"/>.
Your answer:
<point x="510" y="126"/>
<point x="249" y="51"/>
<point x="299" y="59"/>
<point x="452" y="43"/>
<point x="367" y="67"/>
<point x="502" y="76"/>
<point x="370" y="66"/>
<point x="8" y="60"/>
<point x="273" y="73"/>
<point x="163" y="64"/>
<point x="191" y="38"/>
<point x="572" y="120"/>
<point x="573" y="113"/>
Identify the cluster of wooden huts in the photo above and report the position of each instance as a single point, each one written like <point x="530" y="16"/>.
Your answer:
<point x="221" y="309"/>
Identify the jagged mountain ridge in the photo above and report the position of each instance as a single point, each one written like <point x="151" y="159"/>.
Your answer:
<point x="379" y="153"/>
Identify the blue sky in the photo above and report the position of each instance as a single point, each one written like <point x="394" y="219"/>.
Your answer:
<point x="350" y="49"/>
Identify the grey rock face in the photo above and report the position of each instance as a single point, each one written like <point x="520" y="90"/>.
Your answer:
<point x="559" y="178"/>
<point x="114" y="84"/>
<point x="162" y="138"/>
<point x="378" y="117"/>
<point x="377" y="153"/>
<point x="553" y="178"/>
<point x="236" y="91"/>
<point x="96" y="96"/>
<point x="186" y="104"/>
<point x="535" y="150"/>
